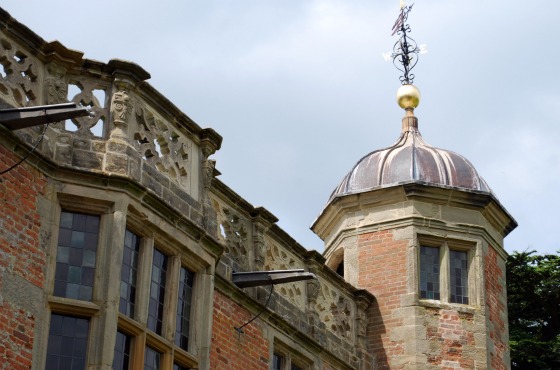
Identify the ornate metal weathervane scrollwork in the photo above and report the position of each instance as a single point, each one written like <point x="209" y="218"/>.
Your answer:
<point x="405" y="50"/>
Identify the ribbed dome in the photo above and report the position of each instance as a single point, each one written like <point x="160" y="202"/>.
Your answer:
<point x="411" y="159"/>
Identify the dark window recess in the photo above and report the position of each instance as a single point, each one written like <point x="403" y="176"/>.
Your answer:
<point x="277" y="362"/>
<point x="186" y="281"/>
<point x="296" y="367"/>
<point x="340" y="268"/>
<point x="128" y="273"/>
<point x="157" y="292"/>
<point x="429" y="273"/>
<point x="121" y="359"/>
<point x="458" y="277"/>
<point x="152" y="359"/>
<point x="75" y="257"/>
<point x="67" y="344"/>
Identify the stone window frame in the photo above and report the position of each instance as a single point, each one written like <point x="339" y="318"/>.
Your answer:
<point x="445" y="245"/>
<point x="69" y="306"/>
<point x="118" y="212"/>
<point x="136" y="327"/>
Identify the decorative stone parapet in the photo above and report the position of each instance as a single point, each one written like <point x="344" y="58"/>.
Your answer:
<point x="133" y="132"/>
<point x="328" y="310"/>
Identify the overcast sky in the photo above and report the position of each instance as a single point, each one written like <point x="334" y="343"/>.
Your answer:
<point x="300" y="91"/>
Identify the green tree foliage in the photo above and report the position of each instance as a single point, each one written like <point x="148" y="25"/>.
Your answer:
<point x="533" y="285"/>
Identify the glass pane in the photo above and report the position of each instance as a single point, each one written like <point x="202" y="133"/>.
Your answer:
<point x="459" y="290"/>
<point x="75" y="268"/>
<point x="157" y="292"/>
<point x="429" y="272"/>
<point x="128" y="273"/>
<point x="186" y="280"/>
<point x="152" y="359"/>
<point x="67" y="346"/>
<point x="122" y="352"/>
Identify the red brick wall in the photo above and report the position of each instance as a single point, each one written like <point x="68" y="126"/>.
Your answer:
<point x="21" y="255"/>
<point x="494" y="274"/>
<point x="451" y="344"/>
<point x="230" y="351"/>
<point x="383" y="271"/>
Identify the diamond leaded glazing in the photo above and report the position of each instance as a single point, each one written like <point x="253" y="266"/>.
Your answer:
<point x="429" y="273"/>
<point x="75" y="258"/>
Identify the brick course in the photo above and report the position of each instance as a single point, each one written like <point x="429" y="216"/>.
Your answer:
<point x="383" y="271"/>
<point x="494" y="273"/>
<point x="22" y="257"/>
<point x="229" y="350"/>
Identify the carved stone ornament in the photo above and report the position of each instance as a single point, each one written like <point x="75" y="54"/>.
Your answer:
<point x="87" y="98"/>
<point x="19" y="85"/>
<point x="164" y="147"/>
<point x="278" y="258"/>
<point x="362" y="322"/>
<point x="235" y="230"/>
<point x="120" y="109"/>
<point x="342" y="312"/>
<point x="208" y="172"/>
<point x="335" y="311"/>
<point x="313" y="288"/>
<point x="259" y="245"/>
<point x="55" y="85"/>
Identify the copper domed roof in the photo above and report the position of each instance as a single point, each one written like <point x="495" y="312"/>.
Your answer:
<point x="411" y="159"/>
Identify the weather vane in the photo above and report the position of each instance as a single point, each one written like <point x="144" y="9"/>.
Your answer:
<point x="405" y="50"/>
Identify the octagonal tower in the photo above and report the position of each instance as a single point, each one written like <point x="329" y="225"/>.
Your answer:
<point x="421" y="230"/>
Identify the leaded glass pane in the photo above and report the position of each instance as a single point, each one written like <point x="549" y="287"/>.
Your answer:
<point x="152" y="359"/>
<point x="429" y="273"/>
<point x="157" y="292"/>
<point x="121" y="359"/>
<point x="186" y="281"/>
<point x="67" y="346"/>
<point x="77" y="246"/>
<point x="128" y="273"/>
<point x="458" y="277"/>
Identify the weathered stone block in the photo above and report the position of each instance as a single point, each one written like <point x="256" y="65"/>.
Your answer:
<point x="116" y="163"/>
<point x="87" y="159"/>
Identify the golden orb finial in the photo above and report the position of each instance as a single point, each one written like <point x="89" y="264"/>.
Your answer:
<point x="408" y="96"/>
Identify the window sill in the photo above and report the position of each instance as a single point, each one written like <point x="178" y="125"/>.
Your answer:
<point x="72" y="306"/>
<point x="448" y="306"/>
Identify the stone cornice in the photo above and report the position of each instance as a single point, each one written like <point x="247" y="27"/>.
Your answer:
<point x="484" y="203"/>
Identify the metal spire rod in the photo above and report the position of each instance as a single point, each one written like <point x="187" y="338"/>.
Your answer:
<point x="405" y="50"/>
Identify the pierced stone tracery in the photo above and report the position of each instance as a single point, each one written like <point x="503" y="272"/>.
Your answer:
<point x="162" y="146"/>
<point x="233" y="230"/>
<point x="87" y="98"/>
<point x="19" y="76"/>
<point x="277" y="258"/>
<point x="335" y="310"/>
